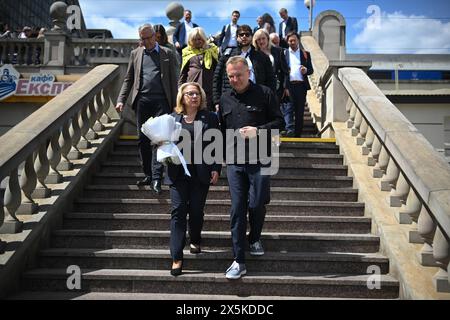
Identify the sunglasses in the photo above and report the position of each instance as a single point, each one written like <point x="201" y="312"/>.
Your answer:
<point x="244" y="34"/>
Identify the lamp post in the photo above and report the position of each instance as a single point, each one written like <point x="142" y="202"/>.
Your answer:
<point x="309" y="5"/>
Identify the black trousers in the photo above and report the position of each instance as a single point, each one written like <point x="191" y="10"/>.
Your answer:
<point x="249" y="191"/>
<point x="298" y="93"/>
<point x="188" y="196"/>
<point x="145" y="109"/>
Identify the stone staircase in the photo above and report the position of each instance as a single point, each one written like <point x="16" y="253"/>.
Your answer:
<point x="317" y="241"/>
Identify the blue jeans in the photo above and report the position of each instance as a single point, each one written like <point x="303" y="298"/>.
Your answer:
<point x="250" y="191"/>
<point x="287" y="109"/>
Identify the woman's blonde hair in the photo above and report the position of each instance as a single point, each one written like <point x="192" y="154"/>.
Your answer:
<point x="181" y="91"/>
<point x="257" y="35"/>
<point x="197" y="32"/>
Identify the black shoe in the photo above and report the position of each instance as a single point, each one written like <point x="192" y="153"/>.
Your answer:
<point x="156" y="186"/>
<point x="145" y="182"/>
<point x="195" y="248"/>
<point x="177" y="271"/>
<point x="290" y="134"/>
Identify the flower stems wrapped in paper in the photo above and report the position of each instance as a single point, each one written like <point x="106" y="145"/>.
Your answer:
<point x="164" y="131"/>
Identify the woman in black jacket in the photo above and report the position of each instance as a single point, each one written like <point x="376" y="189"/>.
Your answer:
<point x="261" y="42"/>
<point x="188" y="194"/>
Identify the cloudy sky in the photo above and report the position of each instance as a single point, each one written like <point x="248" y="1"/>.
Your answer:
<point x="380" y="26"/>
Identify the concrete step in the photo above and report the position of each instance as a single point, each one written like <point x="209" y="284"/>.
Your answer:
<point x="306" y="147"/>
<point x="286" y="160"/>
<point x="306" y="181"/>
<point x="145" y="221"/>
<point x="304" y="169"/>
<point x="222" y="192"/>
<point x="284" y="207"/>
<point x="254" y="283"/>
<point x="290" y="242"/>
<point x="81" y="295"/>
<point x="216" y="261"/>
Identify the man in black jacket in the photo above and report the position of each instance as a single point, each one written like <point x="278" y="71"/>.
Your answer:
<point x="261" y="71"/>
<point x="180" y="36"/>
<point x="289" y="24"/>
<point x="247" y="111"/>
<point x="296" y="84"/>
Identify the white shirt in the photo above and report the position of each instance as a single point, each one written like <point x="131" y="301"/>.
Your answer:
<point x="189" y="26"/>
<point x="294" y="64"/>
<point x="246" y="55"/>
<point x="233" y="40"/>
<point x="283" y="29"/>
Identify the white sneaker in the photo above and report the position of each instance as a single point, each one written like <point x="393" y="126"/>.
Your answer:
<point x="235" y="271"/>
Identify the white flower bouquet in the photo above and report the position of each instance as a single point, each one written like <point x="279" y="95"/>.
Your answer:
<point x="164" y="131"/>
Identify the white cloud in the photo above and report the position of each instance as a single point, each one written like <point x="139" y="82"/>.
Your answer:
<point x="124" y="17"/>
<point x="119" y="28"/>
<point x="398" y="33"/>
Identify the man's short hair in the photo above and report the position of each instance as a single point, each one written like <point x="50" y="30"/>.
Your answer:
<point x="292" y="34"/>
<point x="187" y="10"/>
<point x="236" y="59"/>
<point x="235" y="11"/>
<point x="282" y="10"/>
<point x="244" y="28"/>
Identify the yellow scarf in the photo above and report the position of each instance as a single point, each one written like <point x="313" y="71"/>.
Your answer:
<point x="211" y="53"/>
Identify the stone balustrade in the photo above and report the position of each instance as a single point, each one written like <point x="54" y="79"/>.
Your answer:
<point x="42" y="146"/>
<point x="406" y="165"/>
<point x="22" y="52"/>
<point x="97" y="51"/>
<point x="80" y="52"/>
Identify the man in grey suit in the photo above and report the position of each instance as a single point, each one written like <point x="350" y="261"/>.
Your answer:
<point x="151" y="79"/>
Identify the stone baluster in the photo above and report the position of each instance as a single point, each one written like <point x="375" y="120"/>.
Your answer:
<point x="107" y="104"/>
<point x="382" y="163"/>
<point x="41" y="167"/>
<point x="441" y="254"/>
<point x="19" y="54"/>
<point x="4" y="53"/>
<point x="367" y="145"/>
<point x="11" y="202"/>
<point x="374" y="154"/>
<point x="426" y="228"/>
<point x="351" y="119"/>
<point x="98" y="103"/>
<point x="92" y="116"/>
<point x="28" y="182"/>
<point x="28" y="54"/>
<point x="410" y="210"/>
<point x="399" y="193"/>
<point x="389" y="180"/>
<point x="2" y="219"/>
<point x="357" y="125"/>
<point x="84" y="126"/>
<point x="65" y="143"/>
<point x="54" y="157"/>
<point x="361" y="137"/>
<point x="75" y="137"/>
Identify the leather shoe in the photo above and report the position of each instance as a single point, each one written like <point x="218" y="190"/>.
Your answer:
<point x="145" y="182"/>
<point x="195" y="248"/>
<point x="177" y="271"/>
<point x="156" y="186"/>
